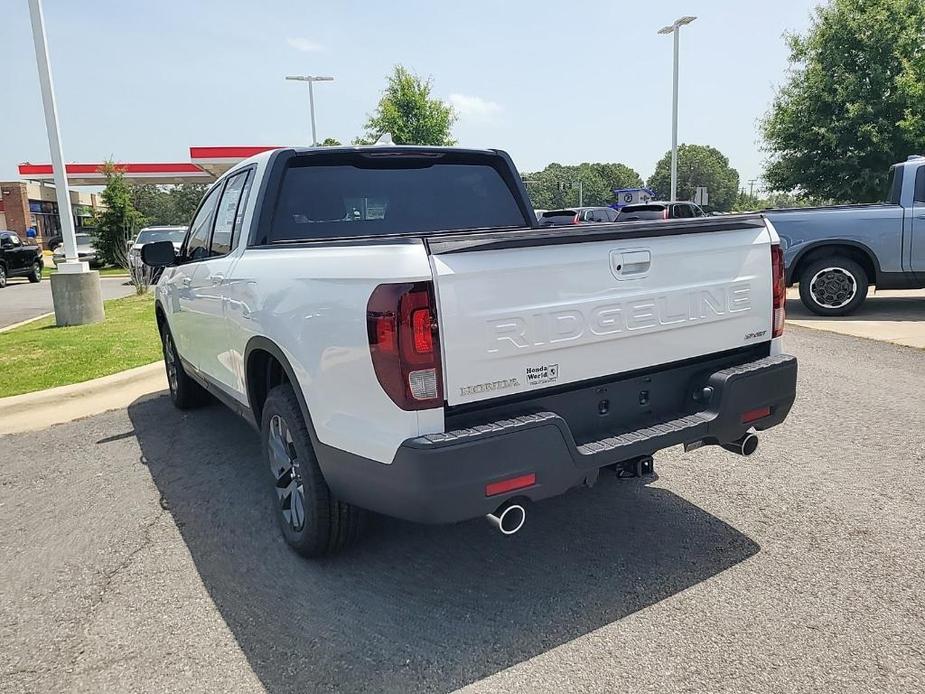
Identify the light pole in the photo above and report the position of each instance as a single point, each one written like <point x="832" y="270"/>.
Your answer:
<point x="311" y="79"/>
<point x="675" y="28"/>
<point x="75" y="289"/>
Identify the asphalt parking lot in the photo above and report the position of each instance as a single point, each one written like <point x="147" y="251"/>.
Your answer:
<point x="22" y="300"/>
<point x="139" y="554"/>
<point x="890" y="316"/>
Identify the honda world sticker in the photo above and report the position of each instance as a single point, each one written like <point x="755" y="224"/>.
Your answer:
<point x="541" y="375"/>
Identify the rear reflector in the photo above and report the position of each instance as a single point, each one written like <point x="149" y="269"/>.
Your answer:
<point x="755" y="414"/>
<point x="510" y="485"/>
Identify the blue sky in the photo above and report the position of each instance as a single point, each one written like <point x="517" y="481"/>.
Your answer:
<point x="585" y="80"/>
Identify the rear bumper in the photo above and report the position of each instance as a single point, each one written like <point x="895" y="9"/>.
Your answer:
<point x="441" y="478"/>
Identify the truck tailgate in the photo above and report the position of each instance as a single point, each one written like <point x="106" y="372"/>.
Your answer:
<point x="526" y="310"/>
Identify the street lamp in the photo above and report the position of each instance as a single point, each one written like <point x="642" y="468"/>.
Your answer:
<point x="311" y="79"/>
<point x="674" y="28"/>
<point x="75" y="289"/>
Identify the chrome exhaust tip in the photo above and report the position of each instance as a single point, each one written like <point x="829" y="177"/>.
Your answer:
<point x="746" y="445"/>
<point x="508" y="518"/>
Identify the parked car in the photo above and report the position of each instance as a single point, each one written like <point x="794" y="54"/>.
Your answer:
<point x="441" y="357"/>
<point x="86" y="251"/>
<point x="174" y="234"/>
<point x="18" y="259"/>
<point x="836" y="253"/>
<point x="660" y="210"/>
<point x="578" y="215"/>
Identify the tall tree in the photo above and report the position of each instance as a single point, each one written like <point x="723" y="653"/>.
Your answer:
<point x="698" y="165"/>
<point x="556" y="186"/>
<point x="184" y="199"/>
<point x="407" y="111"/>
<point x="168" y="204"/>
<point x="329" y="142"/>
<point x="117" y="221"/>
<point x="853" y="101"/>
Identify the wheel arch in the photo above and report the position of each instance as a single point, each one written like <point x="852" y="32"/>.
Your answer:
<point x="160" y="315"/>
<point x="266" y="366"/>
<point x="854" y="250"/>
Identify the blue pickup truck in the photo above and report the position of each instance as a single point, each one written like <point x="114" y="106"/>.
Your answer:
<point x="836" y="253"/>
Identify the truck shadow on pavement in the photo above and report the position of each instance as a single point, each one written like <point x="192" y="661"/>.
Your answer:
<point x="416" y="608"/>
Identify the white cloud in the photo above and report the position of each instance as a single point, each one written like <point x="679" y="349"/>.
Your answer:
<point x="300" y="43"/>
<point x="474" y="108"/>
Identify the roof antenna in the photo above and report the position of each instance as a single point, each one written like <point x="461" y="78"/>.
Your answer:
<point x="385" y="140"/>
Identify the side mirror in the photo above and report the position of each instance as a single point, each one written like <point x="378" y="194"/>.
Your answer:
<point x="158" y="254"/>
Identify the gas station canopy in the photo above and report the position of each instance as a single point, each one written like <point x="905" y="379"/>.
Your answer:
<point x="205" y="165"/>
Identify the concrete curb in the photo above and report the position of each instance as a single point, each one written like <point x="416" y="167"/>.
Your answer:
<point x="33" y="411"/>
<point x="7" y="328"/>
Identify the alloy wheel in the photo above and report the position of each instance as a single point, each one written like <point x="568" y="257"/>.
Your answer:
<point x="833" y="287"/>
<point x="284" y="464"/>
<point x="170" y="360"/>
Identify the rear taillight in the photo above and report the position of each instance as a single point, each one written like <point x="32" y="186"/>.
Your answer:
<point x="401" y="321"/>
<point x="779" y="291"/>
<point x="665" y="213"/>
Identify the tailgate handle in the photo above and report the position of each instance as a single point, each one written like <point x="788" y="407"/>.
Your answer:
<point x="630" y="264"/>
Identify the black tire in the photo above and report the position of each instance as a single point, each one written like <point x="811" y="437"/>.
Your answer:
<point x="36" y="275"/>
<point x="2" y="276"/>
<point x="185" y="393"/>
<point x="833" y="286"/>
<point x="326" y="525"/>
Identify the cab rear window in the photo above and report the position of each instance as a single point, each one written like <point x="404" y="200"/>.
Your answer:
<point x="329" y="198"/>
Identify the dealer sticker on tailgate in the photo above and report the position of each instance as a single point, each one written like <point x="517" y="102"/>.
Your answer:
<point x="542" y="375"/>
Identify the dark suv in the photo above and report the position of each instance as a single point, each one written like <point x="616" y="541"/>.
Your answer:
<point x="17" y="259"/>
<point x="660" y="210"/>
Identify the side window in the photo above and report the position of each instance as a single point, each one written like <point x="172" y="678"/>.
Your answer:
<point x="5" y="241"/>
<point x="920" y="185"/>
<point x="226" y="217"/>
<point x="196" y="246"/>
<point x="611" y="215"/>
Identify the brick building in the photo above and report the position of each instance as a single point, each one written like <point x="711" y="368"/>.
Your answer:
<point x="27" y="204"/>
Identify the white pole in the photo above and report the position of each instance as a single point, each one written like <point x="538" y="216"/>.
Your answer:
<point x="71" y="264"/>
<point x="674" y="119"/>
<point x="311" y="107"/>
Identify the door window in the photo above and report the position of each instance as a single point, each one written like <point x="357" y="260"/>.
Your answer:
<point x="920" y="185"/>
<point x="197" y="241"/>
<point x="226" y="217"/>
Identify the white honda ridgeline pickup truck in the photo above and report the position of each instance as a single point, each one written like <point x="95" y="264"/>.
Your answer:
<point x="408" y="341"/>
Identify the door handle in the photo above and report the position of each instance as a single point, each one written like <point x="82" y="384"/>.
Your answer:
<point x="630" y="264"/>
<point x="187" y="281"/>
<point x="216" y="279"/>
